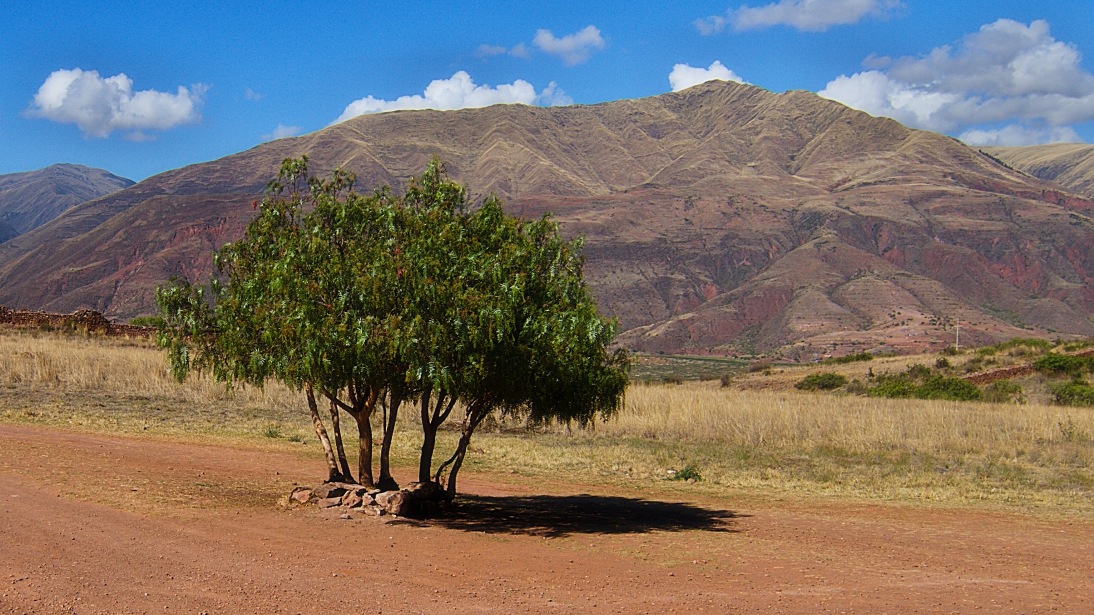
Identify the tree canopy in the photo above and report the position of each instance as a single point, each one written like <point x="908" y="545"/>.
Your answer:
<point x="372" y="300"/>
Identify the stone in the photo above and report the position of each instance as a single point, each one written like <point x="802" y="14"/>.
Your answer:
<point x="300" y="495"/>
<point x="330" y="490"/>
<point x="394" y="502"/>
<point x="351" y="500"/>
<point x="329" y="502"/>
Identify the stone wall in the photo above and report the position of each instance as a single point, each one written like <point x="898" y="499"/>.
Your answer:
<point x="80" y="320"/>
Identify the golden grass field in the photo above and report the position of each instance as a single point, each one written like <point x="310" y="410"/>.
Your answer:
<point x="750" y="437"/>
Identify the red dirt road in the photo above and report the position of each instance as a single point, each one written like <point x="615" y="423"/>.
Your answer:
<point x="105" y="524"/>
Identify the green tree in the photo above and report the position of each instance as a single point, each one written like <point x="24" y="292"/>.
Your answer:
<point x="367" y="301"/>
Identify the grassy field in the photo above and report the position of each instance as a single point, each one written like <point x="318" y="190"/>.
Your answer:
<point x="757" y="436"/>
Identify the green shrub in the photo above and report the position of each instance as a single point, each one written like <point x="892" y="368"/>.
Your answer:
<point x="851" y="358"/>
<point x="823" y="381"/>
<point x="1074" y="393"/>
<point x="893" y="387"/>
<point x="918" y="371"/>
<point x="942" y="363"/>
<point x="1055" y="363"/>
<point x="146" y="321"/>
<point x="954" y="389"/>
<point x="688" y="472"/>
<point x="1004" y="392"/>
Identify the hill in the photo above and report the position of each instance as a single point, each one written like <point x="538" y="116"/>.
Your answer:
<point x="29" y="200"/>
<point x="721" y="219"/>
<point x="1069" y="164"/>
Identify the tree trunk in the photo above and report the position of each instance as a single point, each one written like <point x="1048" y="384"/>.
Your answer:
<point x="473" y="420"/>
<point x="342" y="460"/>
<point x="429" y="441"/>
<point x="333" y="475"/>
<point x="364" y="441"/>
<point x="386" y="481"/>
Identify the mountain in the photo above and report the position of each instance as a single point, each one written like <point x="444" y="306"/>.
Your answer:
<point x="1069" y="164"/>
<point x="29" y="200"/>
<point x="719" y="219"/>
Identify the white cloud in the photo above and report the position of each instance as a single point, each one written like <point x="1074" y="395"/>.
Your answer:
<point x="282" y="131"/>
<point x="460" y="92"/>
<point x="1019" y="135"/>
<point x="252" y="95"/>
<point x="1008" y="80"/>
<point x="100" y="106"/>
<point x="684" y="76"/>
<point x="573" y="48"/>
<point x="804" y="15"/>
<point x="520" y="50"/>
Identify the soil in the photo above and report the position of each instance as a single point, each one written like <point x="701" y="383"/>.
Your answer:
<point x="116" y="524"/>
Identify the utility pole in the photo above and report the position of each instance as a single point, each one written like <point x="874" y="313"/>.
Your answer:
<point x="957" y="337"/>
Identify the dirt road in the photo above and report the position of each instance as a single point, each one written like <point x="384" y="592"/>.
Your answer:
<point x="105" y="524"/>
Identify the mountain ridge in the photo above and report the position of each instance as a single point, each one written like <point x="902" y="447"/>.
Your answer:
<point x="32" y="198"/>
<point x="719" y="219"/>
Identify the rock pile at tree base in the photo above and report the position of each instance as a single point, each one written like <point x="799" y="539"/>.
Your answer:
<point x="417" y="500"/>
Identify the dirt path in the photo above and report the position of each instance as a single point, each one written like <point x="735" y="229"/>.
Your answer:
<point x="102" y="524"/>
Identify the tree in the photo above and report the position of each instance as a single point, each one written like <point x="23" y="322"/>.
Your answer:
<point x="368" y="301"/>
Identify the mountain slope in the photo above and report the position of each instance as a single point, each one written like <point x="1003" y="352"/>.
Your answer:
<point x="1069" y="164"/>
<point x="722" y="218"/>
<point x="29" y="200"/>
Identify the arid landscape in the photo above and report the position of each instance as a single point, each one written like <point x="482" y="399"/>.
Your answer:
<point x="123" y="491"/>
<point x="723" y="220"/>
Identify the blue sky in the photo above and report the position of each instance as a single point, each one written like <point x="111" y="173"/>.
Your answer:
<point x="139" y="88"/>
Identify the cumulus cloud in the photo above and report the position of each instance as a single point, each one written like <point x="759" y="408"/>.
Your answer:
<point x="460" y="92"/>
<point x="1006" y="81"/>
<point x="804" y="15"/>
<point x="684" y="76"/>
<point x="573" y="48"/>
<point x="282" y="131"/>
<point x="99" y="106"/>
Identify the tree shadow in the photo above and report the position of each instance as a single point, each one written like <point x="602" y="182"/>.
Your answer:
<point x="558" y="516"/>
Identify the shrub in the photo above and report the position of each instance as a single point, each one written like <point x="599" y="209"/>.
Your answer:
<point x="823" y="381"/>
<point x="688" y="472"/>
<point x="147" y="321"/>
<point x="894" y="387"/>
<point x="851" y="358"/>
<point x="1004" y="392"/>
<point x="918" y="371"/>
<point x="1074" y="393"/>
<point x="954" y="389"/>
<point x="942" y="363"/>
<point x="1055" y="363"/>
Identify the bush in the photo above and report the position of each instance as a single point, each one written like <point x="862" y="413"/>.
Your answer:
<point x="942" y="363"/>
<point x="894" y="387"/>
<point x="1055" y="363"/>
<point x="954" y="389"/>
<point x="147" y="321"/>
<point x="851" y="358"/>
<point x="918" y="371"/>
<point x="823" y="381"/>
<point x="688" y="472"/>
<point x="1004" y="392"/>
<point x="1074" y="393"/>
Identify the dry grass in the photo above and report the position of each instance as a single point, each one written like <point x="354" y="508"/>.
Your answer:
<point x="778" y="442"/>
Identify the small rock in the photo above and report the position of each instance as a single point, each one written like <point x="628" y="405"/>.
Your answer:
<point x="345" y="516"/>
<point x="351" y="500"/>
<point x="301" y="495"/>
<point x="329" y="502"/>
